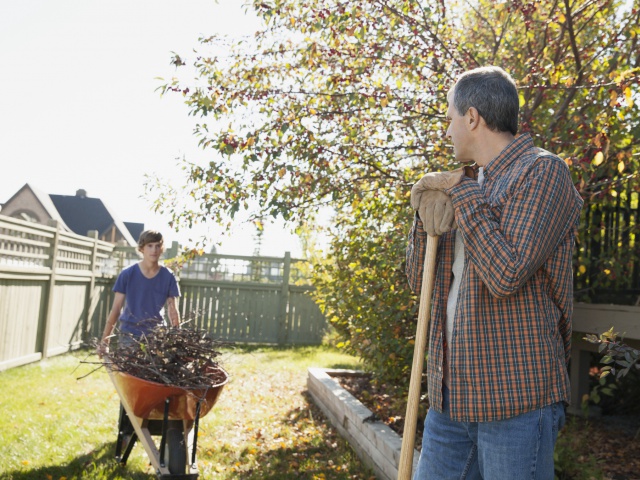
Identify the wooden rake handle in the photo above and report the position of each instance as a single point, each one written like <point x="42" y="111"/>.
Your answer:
<point x="424" y="315"/>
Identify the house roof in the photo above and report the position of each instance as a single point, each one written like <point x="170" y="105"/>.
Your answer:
<point x="74" y="213"/>
<point x="134" y="228"/>
<point x="44" y="200"/>
<point x="82" y="213"/>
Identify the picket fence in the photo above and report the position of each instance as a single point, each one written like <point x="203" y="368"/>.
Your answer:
<point x="55" y="293"/>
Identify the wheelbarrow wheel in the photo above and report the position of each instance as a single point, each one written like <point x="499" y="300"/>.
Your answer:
<point x="176" y="451"/>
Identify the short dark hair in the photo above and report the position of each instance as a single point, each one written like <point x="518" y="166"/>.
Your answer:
<point x="149" y="236"/>
<point x="492" y="92"/>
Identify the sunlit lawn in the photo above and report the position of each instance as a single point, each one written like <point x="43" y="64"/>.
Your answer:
<point x="264" y="426"/>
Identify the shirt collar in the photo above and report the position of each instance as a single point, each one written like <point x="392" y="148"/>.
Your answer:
<point x="508" y="155"/>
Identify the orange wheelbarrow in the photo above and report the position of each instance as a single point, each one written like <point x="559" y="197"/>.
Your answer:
<point x="153" y="409"/>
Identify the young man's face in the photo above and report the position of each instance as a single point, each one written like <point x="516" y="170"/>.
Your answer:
<point x="458" y="132"/>
<point x="152" y="251"/>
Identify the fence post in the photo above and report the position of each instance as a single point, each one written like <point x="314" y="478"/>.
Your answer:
<point x="88" y="301"/>
<point x="284" y="300"/>
<point x="51" y="288"/>
<point x="173" y="250"/>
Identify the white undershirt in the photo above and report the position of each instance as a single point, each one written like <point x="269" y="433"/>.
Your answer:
<point x="452" y="301"/>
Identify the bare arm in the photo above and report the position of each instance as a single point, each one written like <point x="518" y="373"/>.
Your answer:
<point x="172" y="310"/>
<point x="114" y="314"/>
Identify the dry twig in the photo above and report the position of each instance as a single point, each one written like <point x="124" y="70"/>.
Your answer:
<point x="179" y="357"/>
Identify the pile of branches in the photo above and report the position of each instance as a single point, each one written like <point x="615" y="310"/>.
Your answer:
<point x="178" y="357"/>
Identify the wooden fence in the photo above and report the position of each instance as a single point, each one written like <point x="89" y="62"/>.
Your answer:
<point x="55" y="293"/>
<point x="608" y="251"/>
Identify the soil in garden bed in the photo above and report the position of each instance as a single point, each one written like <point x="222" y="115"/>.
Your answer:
<point x="610" y="441"/>
<point x="381" y="402"/>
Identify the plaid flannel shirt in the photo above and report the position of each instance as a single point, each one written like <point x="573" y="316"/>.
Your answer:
<point x="511" y="341"/>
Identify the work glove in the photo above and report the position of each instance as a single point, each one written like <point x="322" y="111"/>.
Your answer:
<point x="435" y="210"/>
<point x="443" y="180"/>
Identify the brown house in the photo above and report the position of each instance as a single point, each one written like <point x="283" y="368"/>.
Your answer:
<point x="75" y="213"/>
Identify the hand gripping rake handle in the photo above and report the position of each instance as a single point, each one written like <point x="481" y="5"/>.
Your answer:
<point x="424" y="315"/>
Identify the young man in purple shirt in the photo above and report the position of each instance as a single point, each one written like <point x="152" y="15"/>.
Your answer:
<point x="500" y="333"/>
<point x="141" y="292"/>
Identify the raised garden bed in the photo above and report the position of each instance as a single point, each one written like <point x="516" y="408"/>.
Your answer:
<point x="377" y="445"/>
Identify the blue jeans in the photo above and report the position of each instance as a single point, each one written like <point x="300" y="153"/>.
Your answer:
<point x="518" y="448"/>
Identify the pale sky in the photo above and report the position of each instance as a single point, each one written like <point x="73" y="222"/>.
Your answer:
<point x="79" y="110"/>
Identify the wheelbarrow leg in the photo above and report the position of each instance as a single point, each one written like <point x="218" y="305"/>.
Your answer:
<point x="126" y="437"/>
<point x="195" y="435"/>
<point x="165" y="426"/>
<point x="173" y="449"/>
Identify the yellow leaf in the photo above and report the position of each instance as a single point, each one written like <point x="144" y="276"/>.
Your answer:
<point x="561" y="17"/>
<point x="620" y="166"/>
<point x="627" y="96"/>
<point x="598" y="159"/>
<point x="522" y="100"/>
<point x="313" y="111"/>
<point x="570" y="81"/>
<point x="582" y="269"/>
<point x="384" y="102"/>
<point x="607" y="271"/>
<point x="609" y="334"/>
<point x="598" y="140"/>
<point x="614" y="99"/>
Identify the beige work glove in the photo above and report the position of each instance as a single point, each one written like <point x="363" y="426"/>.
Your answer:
<point x="434" y="209"/>
<point x="444" y="180"/>
<point x="433" y="205"/>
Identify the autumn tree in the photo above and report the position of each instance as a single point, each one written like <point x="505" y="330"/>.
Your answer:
<point x="340" y="104"/>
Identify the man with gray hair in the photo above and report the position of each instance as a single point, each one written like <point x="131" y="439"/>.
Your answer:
<point x="500" y="333"/>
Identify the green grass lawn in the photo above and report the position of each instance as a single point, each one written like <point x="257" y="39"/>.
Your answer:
<point x="55" y="426"/>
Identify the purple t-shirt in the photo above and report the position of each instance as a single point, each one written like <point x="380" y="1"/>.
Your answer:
<point x="145" y="298"/>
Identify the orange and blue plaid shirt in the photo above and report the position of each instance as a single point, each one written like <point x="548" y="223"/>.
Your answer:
<point x="511" y="340"/>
